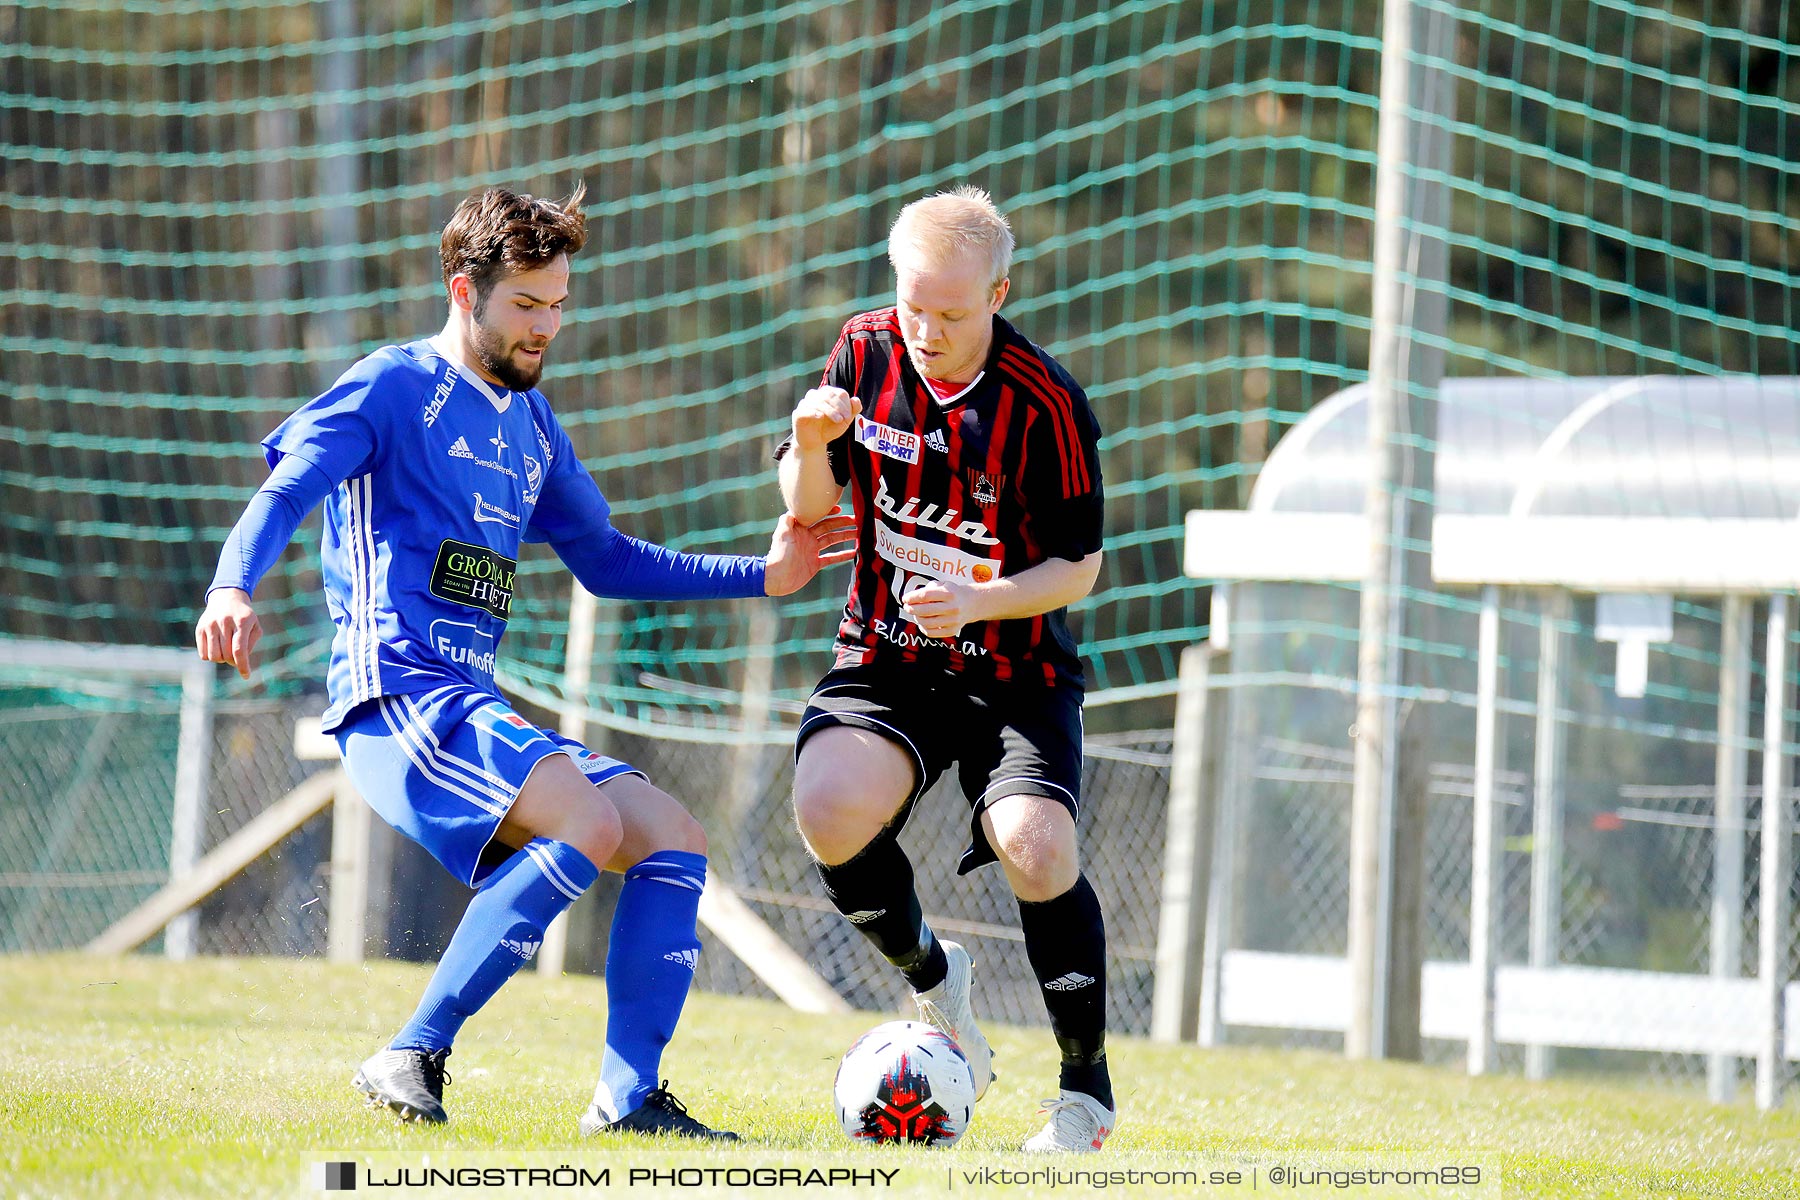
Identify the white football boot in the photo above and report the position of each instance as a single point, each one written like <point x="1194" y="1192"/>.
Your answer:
<point x="1079" y="1124"/>
<point x="946" y="1008"/>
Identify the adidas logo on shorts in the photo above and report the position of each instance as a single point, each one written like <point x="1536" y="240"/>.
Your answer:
<point x="460" y="449"/>
<point x="863" y="916"/>
<point x="687" y="958"/>
<point x="525" y="950"/>
<point x="1069" y="983"/>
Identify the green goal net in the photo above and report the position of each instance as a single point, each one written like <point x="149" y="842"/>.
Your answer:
<point x="208" y="208"/>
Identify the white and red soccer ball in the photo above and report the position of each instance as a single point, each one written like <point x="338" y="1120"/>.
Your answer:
<point x="905" y="1083"/>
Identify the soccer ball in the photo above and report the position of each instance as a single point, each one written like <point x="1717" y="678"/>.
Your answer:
<point x="904" y="1082"/>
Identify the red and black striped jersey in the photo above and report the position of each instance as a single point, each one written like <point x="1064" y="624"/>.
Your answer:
<point x="991" y="482"/>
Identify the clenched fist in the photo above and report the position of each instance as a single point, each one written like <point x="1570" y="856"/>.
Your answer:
<point x="822" y="416"/>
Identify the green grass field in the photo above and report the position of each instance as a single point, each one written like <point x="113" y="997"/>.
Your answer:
<point x="139" y="1078"/>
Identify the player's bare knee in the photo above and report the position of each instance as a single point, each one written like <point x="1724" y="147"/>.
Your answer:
<point x="686" y="833"/>
<point x="595" y="830"/>
<point x="1043" y="864"/>
<point x="832" y="822"/>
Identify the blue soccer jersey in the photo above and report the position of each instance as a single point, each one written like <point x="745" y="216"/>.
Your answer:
<point x="431" y="478"/>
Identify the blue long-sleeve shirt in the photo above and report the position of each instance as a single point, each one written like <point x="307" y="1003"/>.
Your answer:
<point x="431" y="478"/>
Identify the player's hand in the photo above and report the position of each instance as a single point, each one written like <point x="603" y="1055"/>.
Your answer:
<point x="798" y="552"/>
<point x="940" y="609"/>
<point x="228" y="630"/>
<point x="822" y="416"/>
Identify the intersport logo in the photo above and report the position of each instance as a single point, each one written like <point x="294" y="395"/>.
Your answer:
<point x="885" y="439"/>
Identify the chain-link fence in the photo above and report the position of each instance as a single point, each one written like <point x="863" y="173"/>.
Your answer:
<point x="91" y="837"/>
<point x="85" y="828"/>
<point x="1632" y="853"/>
<point x="88" y="827"/>
<point x="1124" y="787"/>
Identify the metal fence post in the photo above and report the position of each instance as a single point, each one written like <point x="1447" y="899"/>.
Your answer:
<point x="1187" y="856"/>
<point x="193" y="767"/>
<point x="1547" y="813"/>
<point x="1412" y="208"/>
<point x="1731" y="773"/>
<point x="1484" y="880"/>
<point x="1777" y="827"/>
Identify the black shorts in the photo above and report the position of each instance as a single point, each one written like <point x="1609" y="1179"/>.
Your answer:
<point x="1008" y="739"/>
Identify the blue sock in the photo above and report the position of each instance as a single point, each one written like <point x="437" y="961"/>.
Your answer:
<point x="499" y="933"/>
<point x="650" y="962"/>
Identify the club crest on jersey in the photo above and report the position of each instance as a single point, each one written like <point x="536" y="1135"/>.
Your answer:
<point x="885" y="439"/>
<point x="985" y="488"/>
<point x="534" y="478"/>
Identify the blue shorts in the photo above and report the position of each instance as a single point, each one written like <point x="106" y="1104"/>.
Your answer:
<point x="444" y="766"/>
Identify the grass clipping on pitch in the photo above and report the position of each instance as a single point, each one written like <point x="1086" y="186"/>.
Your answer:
<point x="141" y="1078"/>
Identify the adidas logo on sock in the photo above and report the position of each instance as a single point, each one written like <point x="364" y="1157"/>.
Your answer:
<point x="864" y="916"/>
<point x="461" y="449"/>
<point x="687" y="958"/>
<point x="525" y="950"/>
<point x="1069" y="982"/>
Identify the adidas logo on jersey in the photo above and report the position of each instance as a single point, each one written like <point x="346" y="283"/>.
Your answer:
<point x="935" y="439"/>
<point x="863" y="916"/>
<point x="524" y="949"/>
<point x="461" y="449"/>
<point x="687" y="958"/>
<point x="1068" y="983"/>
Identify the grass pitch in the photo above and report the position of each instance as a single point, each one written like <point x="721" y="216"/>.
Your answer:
<point x="140" y="1078"/>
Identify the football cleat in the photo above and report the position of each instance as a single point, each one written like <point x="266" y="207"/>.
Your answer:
<point x="947" y="1009"/>
<point x="1079" y="1124"/>
<point x="411" y="1082"/>
<point x="661" y="1115"/>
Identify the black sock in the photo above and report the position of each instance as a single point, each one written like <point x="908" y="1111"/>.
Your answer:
<point x="1065" y="939"/>
<point x="875" y="893"/>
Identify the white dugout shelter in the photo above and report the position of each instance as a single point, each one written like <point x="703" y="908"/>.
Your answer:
<point x="1651" y="498"/>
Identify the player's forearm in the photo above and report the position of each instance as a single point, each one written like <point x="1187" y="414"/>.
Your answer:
<point x="268" y="523"/>
<point x="620" y="567"/>
<point x="1056" y="583"/>
<point x="807" y="485"/>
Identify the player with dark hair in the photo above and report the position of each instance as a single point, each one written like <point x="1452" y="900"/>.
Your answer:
<point x="971" y="459"/>
<point x="434" y="460"/>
